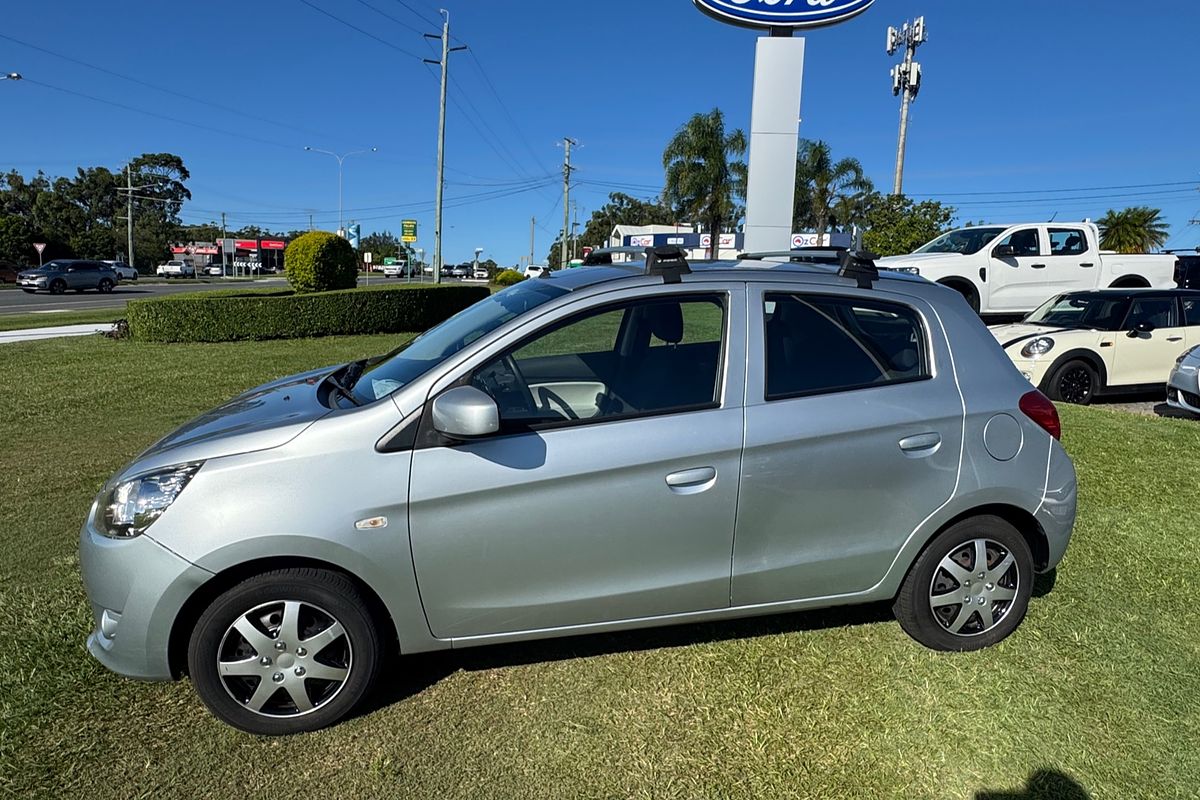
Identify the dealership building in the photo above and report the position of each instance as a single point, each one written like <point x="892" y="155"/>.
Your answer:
<point x="696" y="244"/>
<point x="239" y="255"/>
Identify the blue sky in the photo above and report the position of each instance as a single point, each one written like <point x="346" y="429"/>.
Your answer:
<point x="1021" y="100"/>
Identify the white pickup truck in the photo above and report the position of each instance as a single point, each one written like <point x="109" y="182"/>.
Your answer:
<point x="1008" y="269"/>
<point x="176" y="269"/>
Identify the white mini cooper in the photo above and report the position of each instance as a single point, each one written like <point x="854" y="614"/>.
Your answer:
<point x="1082" y="344"/>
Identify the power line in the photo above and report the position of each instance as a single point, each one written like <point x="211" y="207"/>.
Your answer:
<point x="1052" y="191"/>
<point x="165" y="90"/>
<point x="419" y="15"/>
<point x="364" y="32"/>
<point x="386" y="15"/>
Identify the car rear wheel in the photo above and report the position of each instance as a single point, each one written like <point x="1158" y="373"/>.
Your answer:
<point x="1074" y="382"/>
<point x="285" y="652"/>
<point x="970" y="588"/>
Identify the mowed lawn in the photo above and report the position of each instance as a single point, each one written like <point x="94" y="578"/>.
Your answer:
<point x="1098" y="692"/>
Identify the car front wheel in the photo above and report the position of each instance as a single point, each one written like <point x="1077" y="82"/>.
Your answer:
<point x="1074" y="382"/>
<point x="285" y="652"/>
<point x="969" y="588"/>
<point x="105" y="286"/>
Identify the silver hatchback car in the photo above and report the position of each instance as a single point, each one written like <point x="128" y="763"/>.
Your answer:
<point x="596" y="449"/>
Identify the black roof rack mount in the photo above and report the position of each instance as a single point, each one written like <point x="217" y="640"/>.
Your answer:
<point x="859" y="265"/>
<point x="669" y="262"/>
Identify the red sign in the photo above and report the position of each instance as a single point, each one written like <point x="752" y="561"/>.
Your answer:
<point x="246" y="244"/>
<point x="39" y="246"/>
<point x="587" y="251"/>
<point x="272" y="244"/>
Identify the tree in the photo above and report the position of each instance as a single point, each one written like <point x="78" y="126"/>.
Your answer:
<point x="1139" y="229"/>
<point x="828" y="193"/>
<point x="383" y="245"/>
<point x="704" y="178"/>
<point x="896" y="225"/>
<point x="319" y="262"/>
<point x="621" y="209"/>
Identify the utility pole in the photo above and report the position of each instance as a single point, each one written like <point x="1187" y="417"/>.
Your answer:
<point x="129" y="189"/>
<point x="532" y="222"/>
<point x="224" y="249"/>
<point x="566" y="228"/>
<point x="444" y="63"/>
<point x="574" y="229"/>
<point x="906" y="81"/>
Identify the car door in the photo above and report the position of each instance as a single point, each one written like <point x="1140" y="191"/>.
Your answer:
<point x="610" y="491"/>
<point x="1020" y="281"/>
<point x="1071" y="264"/>
<point x="853" y="437"/>
<point x="1149" y="341"/>
<point x="1190" y="303"/>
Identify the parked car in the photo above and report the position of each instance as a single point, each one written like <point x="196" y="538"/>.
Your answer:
<point x="176" y="269"/>
<point x="1183" y="384"/>
<point x="584" y="453"/>
<point x="1006" y="269"/>
<point x="1080" y="345"/>
<point x="480" y="273"/>
<point x="1187" y="270"/>
<point x="535" y="270"/>
<point x="9" y="272"/>
<point x="214" y="271"/>
<point x="123" y="270"/>
<point x="62" y="274"/>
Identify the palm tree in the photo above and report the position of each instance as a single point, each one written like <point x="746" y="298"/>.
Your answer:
<point x="827" y="191"/>
<point x="1134" y="230"/>
<point x="704" y="176"/>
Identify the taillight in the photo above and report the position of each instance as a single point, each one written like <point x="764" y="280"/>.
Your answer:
<point x="1038" y="408"/>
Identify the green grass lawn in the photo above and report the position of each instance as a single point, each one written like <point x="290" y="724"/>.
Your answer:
<point x="16" y="322"/>
<point x="1100" y="686"/>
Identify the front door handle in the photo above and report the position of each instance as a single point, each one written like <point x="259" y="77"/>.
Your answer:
<point x="1087" y="264"/>
<point x="1038" y="266"/>
<point x="692" y="481"/>
<point x="922" y="444"/>
<point x="1174" y="338"/>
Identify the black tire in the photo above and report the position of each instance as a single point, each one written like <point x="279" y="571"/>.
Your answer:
<point x="914" y="607"/>
<point x="105" y="286"/>
<point x="357" y="652"/>
<point x="1075" y="381"/>
<point x="58" y="287"/>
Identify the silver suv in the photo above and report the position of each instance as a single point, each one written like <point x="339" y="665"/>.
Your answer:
<point x="593" y="450"/>
<point x="57" y="276"/>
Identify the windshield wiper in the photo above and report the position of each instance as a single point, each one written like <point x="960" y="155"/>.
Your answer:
<point x="340" y="389"/>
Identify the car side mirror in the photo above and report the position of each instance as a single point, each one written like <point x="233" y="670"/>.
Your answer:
<point x="1004" y="251"/>
<point x="1141" y="327"/>
<point x="465" y="412"/>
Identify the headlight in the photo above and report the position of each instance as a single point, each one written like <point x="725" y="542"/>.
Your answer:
<point x="132" y="506"/>
<point x="907" y="270"/>
<point x="1038" y="347"/>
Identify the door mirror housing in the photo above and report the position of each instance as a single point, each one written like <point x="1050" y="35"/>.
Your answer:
<point x="1003" y="251"/>
<point x="1141" y="327"/>
<point x="465" y="412"/>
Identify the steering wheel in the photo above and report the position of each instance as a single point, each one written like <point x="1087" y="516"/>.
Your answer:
<point x="548" y="397"/>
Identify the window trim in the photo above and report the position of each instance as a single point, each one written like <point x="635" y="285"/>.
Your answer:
<point x="1050" y="241"/>
<point x="1133" y="300"/>
<point x="720" y="297"/>
<point x="923" y="345"/>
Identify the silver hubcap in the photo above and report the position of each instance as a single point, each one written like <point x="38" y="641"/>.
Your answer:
<point x="973" y="587"/>
<point x="284" y="659"/>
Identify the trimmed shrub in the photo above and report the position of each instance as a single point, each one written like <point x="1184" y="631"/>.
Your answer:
<point x="508" y="277"/>
<point x="320" y="261"/>
<point x="229" y="316"/>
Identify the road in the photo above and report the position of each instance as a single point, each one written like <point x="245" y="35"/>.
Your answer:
<point x="14" y="301"/>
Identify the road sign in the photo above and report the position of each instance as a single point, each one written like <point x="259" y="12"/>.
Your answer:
<point x="39" y="246"/>
<point x="773" y="14"/>
<point x="388" y="261"/>
<point x="408" y="230"/>
<point x="367" y="258"/>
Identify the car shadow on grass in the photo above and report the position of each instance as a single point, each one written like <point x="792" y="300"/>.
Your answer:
<point x="412" y="674"/>
<point x="1045" y="784"/>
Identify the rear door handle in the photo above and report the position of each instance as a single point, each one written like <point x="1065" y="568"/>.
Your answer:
<point x="921" y="444"/>
<point x="691" y="481"/>
<point x="1038" y="266"/>
<point x="1087" y="264"/>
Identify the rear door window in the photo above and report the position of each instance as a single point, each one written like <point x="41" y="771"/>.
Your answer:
<point x="1067" y="242"/>
<point x="817" y="344"/>
<point x="1161" y="312"/>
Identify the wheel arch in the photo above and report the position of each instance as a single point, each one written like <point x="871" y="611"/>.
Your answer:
<point x="1082" y="354"/>
<point x="189" y="614"/>
<point x="965" y="287"/>
<point x="1130" y="282"/>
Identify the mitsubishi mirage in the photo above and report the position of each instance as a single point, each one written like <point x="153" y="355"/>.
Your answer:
<point x="596" y="449"/>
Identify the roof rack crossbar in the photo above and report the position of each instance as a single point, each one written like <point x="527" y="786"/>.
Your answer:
<point x="668" y="261"/>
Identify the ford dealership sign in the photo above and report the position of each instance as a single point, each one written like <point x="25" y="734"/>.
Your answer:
<point x="783" y="13"/>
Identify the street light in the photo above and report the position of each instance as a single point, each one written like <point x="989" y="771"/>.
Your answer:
<point x="12" y="76"/>
<point x="340" y="160"/>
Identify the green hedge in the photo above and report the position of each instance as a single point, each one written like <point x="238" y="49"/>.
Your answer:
<point x="508" y="277"/>
<point x="233" y="315"/>
<point x="320" y="261"/>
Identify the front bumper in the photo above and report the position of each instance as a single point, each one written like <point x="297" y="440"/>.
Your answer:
<point x="29" y="283"/>
<point x="1183" y="388"/>
<point x="136" y="588"/>
<point x="1032" y="369"/>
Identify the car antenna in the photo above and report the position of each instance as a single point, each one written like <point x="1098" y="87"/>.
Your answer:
<point x="668" y="261"/>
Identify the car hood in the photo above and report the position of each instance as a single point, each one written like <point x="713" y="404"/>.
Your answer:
<point x="267" y="416"/>
<point x="1019" y="332"/>
<point x="38" y="272"/>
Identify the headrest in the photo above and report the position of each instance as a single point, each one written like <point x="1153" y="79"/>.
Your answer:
<point x="666" y="321"/>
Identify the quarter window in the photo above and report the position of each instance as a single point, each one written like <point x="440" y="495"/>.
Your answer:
<point x="1067" y="242"/>
<point x="821" y="344"/>
<point x="651" y="356"/>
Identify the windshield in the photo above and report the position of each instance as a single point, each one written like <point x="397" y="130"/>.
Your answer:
<point x="431" y="348"/>
<point x="964" y="240"/>
<point x="1084" y="310"/>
